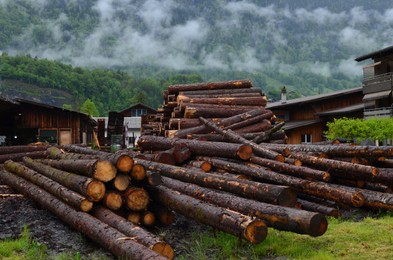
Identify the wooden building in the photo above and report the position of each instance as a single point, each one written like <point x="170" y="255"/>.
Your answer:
<point x="24" y="122"/>
<point x="378" y="83"/>
<point x="306" y="117"/>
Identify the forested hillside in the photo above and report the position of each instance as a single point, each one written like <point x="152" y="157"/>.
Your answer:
<point x="307" y="45"/>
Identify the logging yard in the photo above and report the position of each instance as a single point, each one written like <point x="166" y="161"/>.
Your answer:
<point x="213" y="178"/>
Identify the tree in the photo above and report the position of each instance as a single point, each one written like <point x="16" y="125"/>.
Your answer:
<point x="89" y="108"/>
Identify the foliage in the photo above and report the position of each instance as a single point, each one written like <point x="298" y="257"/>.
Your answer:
<point x="89" y="108"/>
<point x="344" y="239"/>
<point x="360" y="129"/>
<point x="12" y="249"/>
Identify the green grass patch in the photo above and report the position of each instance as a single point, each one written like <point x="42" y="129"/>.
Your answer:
<point x="344" y="239"/>
<point x="22" y="248"/>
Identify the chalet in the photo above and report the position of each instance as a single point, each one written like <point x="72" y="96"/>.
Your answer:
<point x="306" y="117"/>
<point x="24" y="121"/>
<point x="130" y="120"/>
<point x="378" y="83"/>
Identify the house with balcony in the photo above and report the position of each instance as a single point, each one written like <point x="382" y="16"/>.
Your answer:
<point x="377" y="83"/>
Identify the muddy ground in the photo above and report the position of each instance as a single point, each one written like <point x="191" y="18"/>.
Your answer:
<point x="17" y="211"/>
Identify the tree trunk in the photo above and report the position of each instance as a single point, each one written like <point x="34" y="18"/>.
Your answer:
<point x="70" y="197"/>
<point x="236" y="84"/>
<point x="264" y="125"/>
<point x="194" y="111"/>
<point x="229" y="150"/>
<point x="288" y="169"/>
<point x="139" y="234"/>
<point x="230" y="101"/>
<point x="280" y="195"/>
<point x="320" y="189"/>
<point x="22" y="149"/>
<point x="94" y="190"/>
<point x="315" y="207"/>
<point x="112" y="200"/>
<point x="148" y="218"/>
<point x="102" y="170"/>
<point x="220" y="91"/>
<point x="138" y="172"/>
<point x="250" y="121"/>
<point x="109" y="238"/>
<point x="281" y="218"/>
<point x="17" y="157"/>
<point x="121" y="182"/>
<point x="264" y="136"/>
<point x="164" y="215"/>
<point x="252" y="230"/>
<point x="257" y="149"/>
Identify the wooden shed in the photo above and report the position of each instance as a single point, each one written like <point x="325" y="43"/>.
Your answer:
<point x="24" y="121"/>
<point x="306" y="117"/>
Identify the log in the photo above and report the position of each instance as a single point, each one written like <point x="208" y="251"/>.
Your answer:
<point x="153" y="178"/>
<point x="242" y="226"/>
<point x="102" y="170"/>
<point x="148" y="218"/>
<point x="235" y="84"/>
<point x="17" y="157"/>
<point x="135" y="217"/>
<point x="94" y="190"/>
<point x="106" y="236"/>
<point x="231" y="101"/>
<point x="68" y="196"/>
<point x="138" y="172"/>
<point x="22" y="149"/>
<point x="361" y="171"/>
<point x="280" y="195"/>
<point x="315" y="207"/>
<point x="221" y="91"/>
<point x="224" y="122"/>
<point x="181" y="123"/>
<point x="164" y="215"/>
<point x="266" y="135"/>
<point x="121" y="182"/>
<point x="204" y="166"/>
<point x="137" y="233"/>
<point x="221" y="111"/>
<point x="112" y="200"/>
<point x="281" y="218"/>
<point x="230" y="135"/>
<point x="188" y="97"/>
<point x="136" y="198"/>
<point x="228" y="150"/>
<point x="250" y="121"/>
<point x="161" y="157"/>
<point x="264" y="125"/>
<point x="329" y="191"/>
<point x="288" y="169"/>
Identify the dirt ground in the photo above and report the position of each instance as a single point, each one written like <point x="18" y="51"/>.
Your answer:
<point x="17" y="211"/>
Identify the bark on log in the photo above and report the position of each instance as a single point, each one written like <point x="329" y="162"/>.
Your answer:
<point x="288" y="169"/>
<point x="220" y="91"/>
<point x="315" y="207"/>
<point x="188" y="97"/>
<point x="320" y="189"/>
<point x="235" y="84"/>
<point x="281" y="218"/>
<point x="242" y="226"/>
<point x="17" y="157"/>
<point x="194" y="111"/>
<point x="224" y="122"/>
<point x="250" y="121"/>
<point x="279" y="195"/>
<point x="181" y="123"/>
<point x="107" y="237"/>
<point x="361" y="171"/>
<point x="22" y="149"/>
<point x="231" y="101"/>
<point x="70" y="197"/>
<point x="94" y="190"/>
<point x="266" y="135"/>
<point x="257" y="149"/>
<point x="102" y="170"/>
<point x="229" y="150"/>
<point x="139" y="234"/>
<point x="264" y="125"/>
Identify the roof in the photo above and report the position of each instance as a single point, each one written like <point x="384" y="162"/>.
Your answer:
<point x="310" y="99"/>
<point x="344" y="110"/>
<point x="376" y="54"/>
<point x="296" y="124"/>
<point x="135" y="105"/>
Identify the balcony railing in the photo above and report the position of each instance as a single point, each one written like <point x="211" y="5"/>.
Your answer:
<point x="378" y="83"/>
<point x="381" y="112"/>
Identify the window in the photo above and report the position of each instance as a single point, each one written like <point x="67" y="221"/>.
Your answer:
<point x="306" y="138"/>
<point x="138" y="112"/>
<point x="48" y="135"/>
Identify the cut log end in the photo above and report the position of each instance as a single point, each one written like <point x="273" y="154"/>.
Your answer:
<point x="138" y="172"/>
<point x="134" y="217"/>
<point x="255" y="232"/>
<point x="104" y="171"/>
<point x="148" y="218"/>
<point x="113" y="200"/>
<point x="137" y="198"/>
<point x="86" y="205"/>
<point x="244" y="152"/>
<point x="318" y="225"/>
<point x="124" y="163"/>
<point x="164" y="249"/>
<point x="121" y="182"/>
<point x="327" y="177"/>
<point x="206" y="166"/>
<point x="280" y="158"/>
<point x="96" y="190"/>
<point x="358" y="199"/>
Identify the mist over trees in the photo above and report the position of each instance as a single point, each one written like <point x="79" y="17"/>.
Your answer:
<point x="307" y="45"/>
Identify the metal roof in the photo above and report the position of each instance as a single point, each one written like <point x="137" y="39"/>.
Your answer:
<point x="310" y="99"/>
<point x="376" y="54"/>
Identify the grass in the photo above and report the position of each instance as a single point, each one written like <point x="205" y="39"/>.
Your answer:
<point x="371" y="238"/>
<point x="344" y="239"/>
